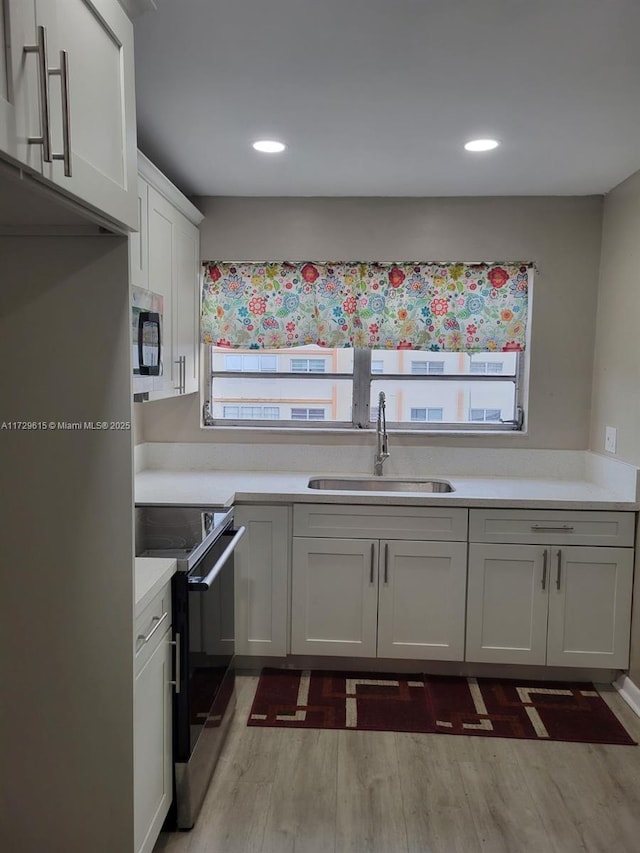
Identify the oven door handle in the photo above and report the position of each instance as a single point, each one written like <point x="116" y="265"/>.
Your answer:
<point x="204" y="583"/>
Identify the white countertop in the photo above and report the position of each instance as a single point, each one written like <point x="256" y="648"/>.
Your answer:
<point x="223" y="488"/>
<point x="151" y="574"/>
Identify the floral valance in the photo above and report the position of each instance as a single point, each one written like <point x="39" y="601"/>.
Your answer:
<point x="447" y="307"/>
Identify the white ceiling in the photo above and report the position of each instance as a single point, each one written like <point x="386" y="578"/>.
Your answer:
<point x="377" y="97"/>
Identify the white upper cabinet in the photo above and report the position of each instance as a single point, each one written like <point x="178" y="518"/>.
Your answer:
<point x="164" y="256"/>
<point x="139" y="240"/>
<point x="72" y="94"/>
<point x="186" y="323"/>
<point x="22" y="78"/>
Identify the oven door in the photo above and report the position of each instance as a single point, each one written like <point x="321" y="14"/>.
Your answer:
<point x="203" y="601"/>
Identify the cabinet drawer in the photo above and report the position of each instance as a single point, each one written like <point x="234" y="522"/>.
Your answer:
<point x="552" y="527"/>
<point x="380" y="522"/>
<point x="156" y="618"/>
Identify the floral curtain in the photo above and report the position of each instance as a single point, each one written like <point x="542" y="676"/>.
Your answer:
<point x="446" y="307"/>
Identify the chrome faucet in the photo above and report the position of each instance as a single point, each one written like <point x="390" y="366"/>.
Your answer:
<point x="382" y="446"/>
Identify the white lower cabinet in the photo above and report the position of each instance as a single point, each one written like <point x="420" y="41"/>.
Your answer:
<point x="334" y="597"/>
<point x="559" y="606"/>
<point x="262" y="580"/>
<point x="378" y="598"/>
<point x="153" y="702"/>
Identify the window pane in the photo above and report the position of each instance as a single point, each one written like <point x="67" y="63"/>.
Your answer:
<point x="420" y="363"/>
<point x="308" y="365"/>
<point x="266" y="413"/>
<point x="300" y="414"/>
<point x="377" y="365"/>
<point x="322" y="398"/>
<point x="484" y="415"/>
<point x="308" y="359"/>
<point x="456" y="401"/>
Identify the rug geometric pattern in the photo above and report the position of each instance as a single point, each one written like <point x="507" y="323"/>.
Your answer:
<point x="489" y="707"/>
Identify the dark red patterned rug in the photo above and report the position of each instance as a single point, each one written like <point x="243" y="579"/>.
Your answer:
<point x="490" y="707"/>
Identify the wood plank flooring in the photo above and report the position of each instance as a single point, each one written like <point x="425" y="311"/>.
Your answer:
<point x="308" y="791"/>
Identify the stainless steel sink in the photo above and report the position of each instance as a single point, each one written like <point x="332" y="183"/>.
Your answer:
<point x="379" y="484"/>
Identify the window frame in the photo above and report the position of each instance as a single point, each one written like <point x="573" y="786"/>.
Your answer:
<point x="361" y="379"/>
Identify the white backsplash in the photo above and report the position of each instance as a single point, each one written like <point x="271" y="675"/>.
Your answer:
<point x="406" y="461"/>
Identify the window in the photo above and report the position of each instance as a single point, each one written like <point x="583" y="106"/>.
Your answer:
<point x="307" y="365"/>
<point x="427" y="367"/>
<point x="340" y="388"/>
<point x="427" y="414"/>
<point x="485" y="366"/>
<point x="298" y="414"/>
<point x="251" y="363"/>
<point x="267" y="413"/>
<point x="484" y="415"/>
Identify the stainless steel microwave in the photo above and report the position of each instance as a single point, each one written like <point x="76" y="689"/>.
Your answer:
<point x="146" y="339"/>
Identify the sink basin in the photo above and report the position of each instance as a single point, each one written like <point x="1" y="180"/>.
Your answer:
<point x="379" y="484"/>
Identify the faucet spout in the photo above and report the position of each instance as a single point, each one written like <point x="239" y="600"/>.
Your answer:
<point x="382" y="439"/>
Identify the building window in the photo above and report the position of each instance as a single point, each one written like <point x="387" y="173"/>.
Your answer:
<point x="308" y="365"/>
<point x="485" y="366"/>
<point x="299" y="414"/>
<point x="426" y="414"/>
<point x="251" y="363"/>
<point x="484" y="415"/>
<point x="427" y="367"/>
<point x="265" y="413"/>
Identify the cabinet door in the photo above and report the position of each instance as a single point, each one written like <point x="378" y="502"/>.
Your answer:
<point x="97" y="37"/>
<point x="186" y="303"/>
<point x="421" y="604"/>
<point x="334" y="597"/>
<point x="590" y="607"/>
<point x="161" y="275"/>
<point x="152" y="746"/>
<point x="20" y="94"/>
<point x="139" y="240"/>
<point x="507" y="604"/>
<point x="262" y="580"/>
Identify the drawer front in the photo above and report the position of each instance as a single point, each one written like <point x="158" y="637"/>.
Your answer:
<point x="152" y="624"/>
<point x="380" y="522"/>
<point x="552" y="527"/>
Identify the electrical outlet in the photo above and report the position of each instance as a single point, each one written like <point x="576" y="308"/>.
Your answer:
<point x="610" y="434"/>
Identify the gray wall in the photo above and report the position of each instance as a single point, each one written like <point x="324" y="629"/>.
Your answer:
<point x="616" y="374"/>
<point x="66" y="539"/>
<point x="561" y="234"/>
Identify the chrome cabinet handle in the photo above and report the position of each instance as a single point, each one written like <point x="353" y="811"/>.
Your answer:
<point x="373" y="552"/>
<point x="63" y="73"/>
<point x="558" y="575"/>
<point x="43" y="76"/>
<point x="158" y="622"/>
<point x="545" y="557"/>
<point x="176" y="643"/>
<point x="386" y="562"/>
<point x="565" y="527"/>
<point x="182" y="374"/>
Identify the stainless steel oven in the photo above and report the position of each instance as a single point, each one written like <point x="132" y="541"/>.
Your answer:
<point x="202" y="539"/>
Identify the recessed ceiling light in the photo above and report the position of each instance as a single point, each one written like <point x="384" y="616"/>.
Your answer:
<point x="269" y="146"/>
<point x="481" y="145"/>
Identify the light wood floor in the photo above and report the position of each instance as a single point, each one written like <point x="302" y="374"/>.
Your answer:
<point x="281" y="790"/>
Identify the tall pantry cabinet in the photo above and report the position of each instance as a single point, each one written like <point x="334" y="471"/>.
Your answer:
<point x="66" y="538"/>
